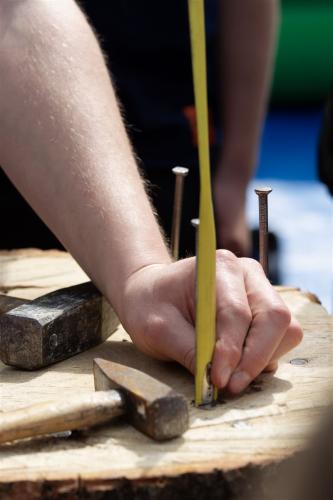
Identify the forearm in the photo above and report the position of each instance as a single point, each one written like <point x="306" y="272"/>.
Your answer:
<point x="247" y="38"/>
<point x="63" y="144"/>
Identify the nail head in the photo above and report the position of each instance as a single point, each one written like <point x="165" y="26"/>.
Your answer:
<point x="263" y="190"/>
<point x="180" y="171"/>
<point x="299" y="361"/>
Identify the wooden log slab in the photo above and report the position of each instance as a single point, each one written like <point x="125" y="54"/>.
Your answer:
<point x="218" y="457"/>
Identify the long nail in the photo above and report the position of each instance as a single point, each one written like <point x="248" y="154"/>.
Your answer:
<point x="180" y="173"/>
<point x="196" y="223"/>
<point x="263" y="193"/>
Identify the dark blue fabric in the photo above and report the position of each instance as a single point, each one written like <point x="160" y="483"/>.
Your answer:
<point x="147" y="45"/>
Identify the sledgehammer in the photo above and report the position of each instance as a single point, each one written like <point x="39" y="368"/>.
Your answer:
<point x="37" y="333"/>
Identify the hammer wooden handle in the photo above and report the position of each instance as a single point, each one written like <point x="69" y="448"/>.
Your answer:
<point x="76" y="413"/>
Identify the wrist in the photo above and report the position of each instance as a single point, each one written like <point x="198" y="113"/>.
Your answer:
<point x="137" y="289"/>
<point x="121" y="292"/>
<point x="230" y="185"/>
<point x="236" y="167"/>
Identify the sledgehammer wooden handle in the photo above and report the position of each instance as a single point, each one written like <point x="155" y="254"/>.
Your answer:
<point x="57" y="416"/>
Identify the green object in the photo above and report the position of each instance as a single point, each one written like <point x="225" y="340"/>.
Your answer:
<point x="304" y="64"/>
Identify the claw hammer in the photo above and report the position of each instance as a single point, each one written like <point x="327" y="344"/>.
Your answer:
<point x="151" y="406"/>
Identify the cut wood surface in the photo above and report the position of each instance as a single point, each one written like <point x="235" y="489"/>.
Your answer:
<point x="269" y="423"/>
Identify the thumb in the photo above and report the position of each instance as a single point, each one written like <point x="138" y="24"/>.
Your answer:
<point x="172" y="337"/>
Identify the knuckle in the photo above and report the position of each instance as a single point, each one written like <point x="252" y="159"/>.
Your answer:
<point x="149" y="334"/>
<point x="156" y="326"/>
<point x="295" y="333"/>
<point x="252" y="264"/>
<point x="225" y="348"/>
<point x="280" y="315"/>
<point x="235" y="310"/>
<point x="234" y="354"/>
<point x="225" y="257"/>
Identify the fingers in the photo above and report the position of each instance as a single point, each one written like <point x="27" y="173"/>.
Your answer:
<point x="270" y="324"/>
<point x="272" y="367"/>
<point x="233" y="317"/>
<point x="168" y="336"/>
<point x="290" y="340"/>
<point x="253" y="326"/>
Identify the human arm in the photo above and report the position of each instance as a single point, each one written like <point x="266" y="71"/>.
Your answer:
<point x="246" y="52"/>
<point x="63" y="144"/>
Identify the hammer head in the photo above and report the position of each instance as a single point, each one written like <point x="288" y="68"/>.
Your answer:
<point x="152" y="407"/>
<point x="55" y="327"/>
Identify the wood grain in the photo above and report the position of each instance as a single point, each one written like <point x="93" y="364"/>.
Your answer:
<point x="262" y="429"/>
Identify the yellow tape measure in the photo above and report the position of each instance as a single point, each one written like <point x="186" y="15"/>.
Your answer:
<point x="206" y="280"/>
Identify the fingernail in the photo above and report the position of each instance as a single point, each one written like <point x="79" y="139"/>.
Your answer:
<point x="224" y="376"/>
<point x="239" y="381"/>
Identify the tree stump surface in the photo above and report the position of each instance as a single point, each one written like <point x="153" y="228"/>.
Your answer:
<point x="220" y="454"/>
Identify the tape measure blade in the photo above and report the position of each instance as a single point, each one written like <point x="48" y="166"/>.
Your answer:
<point x="206" y="294"/>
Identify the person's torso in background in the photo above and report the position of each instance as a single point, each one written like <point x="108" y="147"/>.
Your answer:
<point x="147" y="45"/>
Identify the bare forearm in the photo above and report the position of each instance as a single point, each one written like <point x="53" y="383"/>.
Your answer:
<point x="63" y="144"/>
<point x="248" y="32"/>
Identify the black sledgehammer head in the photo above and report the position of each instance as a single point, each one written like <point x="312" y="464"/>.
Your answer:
<point x="151" y="406"/>
<point x="54" y="327"/>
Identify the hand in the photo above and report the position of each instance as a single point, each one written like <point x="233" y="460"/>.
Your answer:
<point x="231" y="226"/>
<point x="253" y="326"/>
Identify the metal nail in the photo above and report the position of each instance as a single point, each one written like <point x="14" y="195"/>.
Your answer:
<point x="263" y="193"/>
<point x="299" y="361"/>
<point x="180" y="173"/>
<point x="207" y="390"/>
<point x="196" y="223"/>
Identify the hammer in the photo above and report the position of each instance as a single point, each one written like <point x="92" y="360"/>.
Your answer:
<point x="151" y="406"/>
<point x="35" y="334"/>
